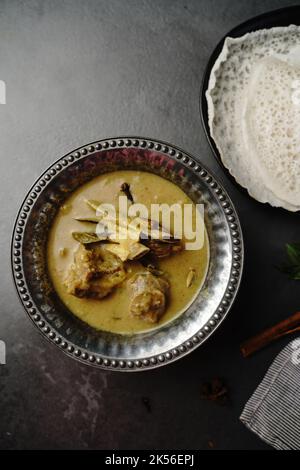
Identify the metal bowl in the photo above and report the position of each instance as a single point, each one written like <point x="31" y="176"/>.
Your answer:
<point x="113" y="351"/>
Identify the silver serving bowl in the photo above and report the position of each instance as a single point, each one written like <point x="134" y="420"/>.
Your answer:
<point x="139" y="351"/>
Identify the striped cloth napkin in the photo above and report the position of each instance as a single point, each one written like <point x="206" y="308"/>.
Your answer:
<point x="273" y="411"/>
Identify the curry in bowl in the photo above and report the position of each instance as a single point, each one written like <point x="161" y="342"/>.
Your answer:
<point x="127" y="285"/>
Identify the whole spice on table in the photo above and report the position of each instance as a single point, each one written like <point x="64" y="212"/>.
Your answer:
<point x="215" y="390"/>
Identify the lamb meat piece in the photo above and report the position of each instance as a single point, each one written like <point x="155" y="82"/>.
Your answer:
<point x="94" y="273"/>
<point x="149" y="296"/>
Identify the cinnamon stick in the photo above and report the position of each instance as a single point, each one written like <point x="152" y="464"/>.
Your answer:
<point x="285" y="327"/>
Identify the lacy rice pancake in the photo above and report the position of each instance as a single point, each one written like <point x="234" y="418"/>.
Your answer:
<point x="254" y="113"/>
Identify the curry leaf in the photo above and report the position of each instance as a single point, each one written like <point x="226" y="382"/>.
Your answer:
<point x="87" y="237"/>
<point x="293" y="251"/>
<point x="92" y="220"/>
<point x="92" y="204"/>
<point x="292" y="268"/>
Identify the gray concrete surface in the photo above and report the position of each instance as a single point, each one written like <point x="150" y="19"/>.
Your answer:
<point x="78" y="71"/>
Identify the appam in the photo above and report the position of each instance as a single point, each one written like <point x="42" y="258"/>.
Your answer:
<point x="253" y="100"/>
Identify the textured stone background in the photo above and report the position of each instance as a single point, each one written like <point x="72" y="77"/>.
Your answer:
<point x="76" y="72"/>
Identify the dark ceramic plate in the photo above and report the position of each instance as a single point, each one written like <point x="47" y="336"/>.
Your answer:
<point x="112" y="351"/>
<point x="282" y="17"/>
